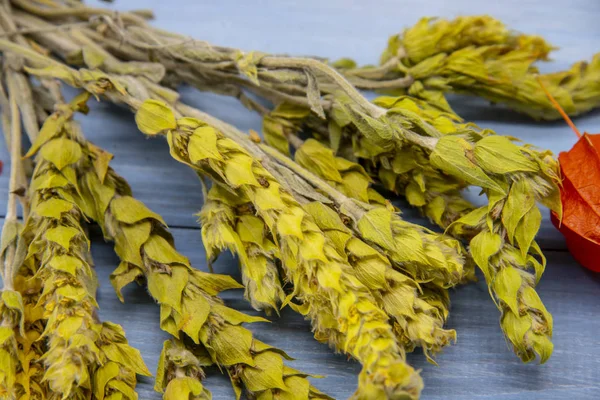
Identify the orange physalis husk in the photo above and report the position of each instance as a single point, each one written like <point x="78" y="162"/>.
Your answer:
<point x="580" y="196"/>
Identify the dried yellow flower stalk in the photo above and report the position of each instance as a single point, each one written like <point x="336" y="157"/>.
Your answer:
<point x="477" y="55"/>
<point x="60" y="248"/>
<point x="440" y="156"/>
<point x="513" y="178"/>
<point x="415" y="322"/>
<point x="326" y="286"/>
<point x="431" y="36"/>
<point x="188" y="297"/>
<point x="23" y="379"/>
<point x="226" y="225"/>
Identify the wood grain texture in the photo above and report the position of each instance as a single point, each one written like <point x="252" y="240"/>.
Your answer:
<point x="480" y="365"/>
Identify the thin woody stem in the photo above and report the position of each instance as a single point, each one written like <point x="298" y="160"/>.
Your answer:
<point x="32" y="56"/>
<point x="366" y="84"/>
<point x="45" y="30"/>
<point x="295" y="141"/>
<point x="293" y="62"/>
<point x="426" y="142"/>
<point x="15" y="170"/>
<point x="368" y="72"/>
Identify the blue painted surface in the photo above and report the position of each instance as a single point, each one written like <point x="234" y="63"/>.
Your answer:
<point x="480" y="365"/>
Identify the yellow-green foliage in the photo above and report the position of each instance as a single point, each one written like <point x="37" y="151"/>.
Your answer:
<point x="325" y="285"/>
<point x="226" y="223"/>
<point x="478" y="55"/>
<point x="78" y="349"/>
<point x="189" y="306"/>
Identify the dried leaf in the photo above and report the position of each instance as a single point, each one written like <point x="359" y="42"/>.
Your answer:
<point x="168" y="291"/>
<point x="450" y="155"/>
<point x="184" y="388"/>
<point x="506" y="286"/>
<point x="375" y="226"/>
<point x="203" y="145"/>
<point x="154" y="117"/>
<point x="61" y="152"/>
<point x="482" y="247"/>
<point x="62" y="235"/>
<point x="160" y="250"/>
<point x="498" y="155"/>
<point x="313" y="94"/>
<point x="129" y="210"/>
<point x="53" y="208"/>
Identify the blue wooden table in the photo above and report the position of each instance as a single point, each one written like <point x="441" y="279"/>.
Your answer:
<point x="480" y="365"/>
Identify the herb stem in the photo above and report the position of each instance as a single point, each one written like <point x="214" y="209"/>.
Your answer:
<point x="293" y="62"/>
<point x="15" y="170"/>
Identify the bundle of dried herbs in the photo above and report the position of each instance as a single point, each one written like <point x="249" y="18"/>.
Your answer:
<point x="477" y="55"/>
<point x="190" y="308"/>
<point x="310" y="232"/>
<point x="379" y="133"/>
<point x="84" y="181"/>
<point x="114" y="89"/>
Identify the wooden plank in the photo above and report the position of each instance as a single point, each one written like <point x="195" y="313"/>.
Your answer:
<point x="480" y="365"/>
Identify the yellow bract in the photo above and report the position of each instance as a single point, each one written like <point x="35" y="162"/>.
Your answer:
<point x="155" y="117"/>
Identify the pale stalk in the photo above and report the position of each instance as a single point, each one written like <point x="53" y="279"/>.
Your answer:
<point x="11" y="256"/>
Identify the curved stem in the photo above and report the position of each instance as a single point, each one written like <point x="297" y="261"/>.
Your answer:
<point x="368" y="84"/>
<point x="15" y="170"/>
<point x="293" y="62"/>
<point x="372" y="72"/>
<point x="426" y="142"/>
